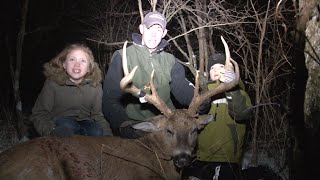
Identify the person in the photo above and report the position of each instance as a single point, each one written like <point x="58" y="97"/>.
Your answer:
<point x="220" y="143"/>
<point x="122" y="109"/>
<point x="71" y="98"/>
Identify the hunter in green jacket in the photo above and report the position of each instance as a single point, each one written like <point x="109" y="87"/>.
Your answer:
<point x="147" y="52"/>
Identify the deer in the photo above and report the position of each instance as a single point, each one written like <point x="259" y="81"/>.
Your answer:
<point x="159" y="154"/>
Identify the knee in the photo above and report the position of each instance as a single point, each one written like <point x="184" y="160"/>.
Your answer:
<point x="67" y="122"/>
<point x="91" y="128"/>
<point x="97" y="131"/>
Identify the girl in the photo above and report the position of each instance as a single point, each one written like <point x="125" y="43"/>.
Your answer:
<point x="70" y="100"/>
<point x="220" y="143"/>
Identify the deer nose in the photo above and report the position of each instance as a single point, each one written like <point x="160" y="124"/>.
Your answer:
<point x="182" y="160"/>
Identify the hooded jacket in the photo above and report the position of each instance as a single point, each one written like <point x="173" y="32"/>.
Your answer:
<point x="60" y="97"/>
<point x="222" y="140"/>
<point x="169" y="78"/>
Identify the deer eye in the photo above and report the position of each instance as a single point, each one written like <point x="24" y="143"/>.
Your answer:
<point x="195" y="130"/>
<point x="170" y="132"/>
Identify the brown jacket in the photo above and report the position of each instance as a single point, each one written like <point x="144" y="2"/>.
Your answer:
<point x="60" y="97"/>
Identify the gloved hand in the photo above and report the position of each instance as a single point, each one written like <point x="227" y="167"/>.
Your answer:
<point x="227" y="76"/>
<point x="205" y="107"/>
<point x="62" y="132"/>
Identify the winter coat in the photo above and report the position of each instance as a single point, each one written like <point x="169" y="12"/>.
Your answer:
<point x="60" y="97"/>
<point x="162" y="63"/>
<point x="169" y="77"/>
<point x="222" y="140"/>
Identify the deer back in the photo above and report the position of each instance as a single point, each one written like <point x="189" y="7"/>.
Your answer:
<point x="82" y="157"/>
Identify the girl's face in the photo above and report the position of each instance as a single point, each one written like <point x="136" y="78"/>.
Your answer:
<point x="216" y="71"/>
<point x="77" y="65"/>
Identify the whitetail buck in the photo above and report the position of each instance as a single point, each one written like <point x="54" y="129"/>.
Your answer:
<point x="157" y="155"/>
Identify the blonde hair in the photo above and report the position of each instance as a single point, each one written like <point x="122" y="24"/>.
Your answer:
<point x="54" y="68"/>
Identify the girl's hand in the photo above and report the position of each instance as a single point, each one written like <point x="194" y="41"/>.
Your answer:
<point x="227" y="76"/>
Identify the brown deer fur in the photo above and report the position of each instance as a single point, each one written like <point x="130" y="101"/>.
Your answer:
<point x="82" y="157"/>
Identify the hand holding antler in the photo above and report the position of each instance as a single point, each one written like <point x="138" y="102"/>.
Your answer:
<point x="223" y="87"/>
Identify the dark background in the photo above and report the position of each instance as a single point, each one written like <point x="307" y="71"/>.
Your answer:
<point x="50" y="26"/>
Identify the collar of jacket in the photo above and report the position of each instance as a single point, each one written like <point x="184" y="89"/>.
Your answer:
<point x="70" y="83"/>
<point x="137" y="40"/>
<point x="213" y="83"/>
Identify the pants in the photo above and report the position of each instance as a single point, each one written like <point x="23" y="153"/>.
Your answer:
<point x="85" y="127"/>
<point x="212" y="171"/>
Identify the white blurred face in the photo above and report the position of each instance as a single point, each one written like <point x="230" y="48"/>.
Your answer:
<point x="152" y="36"/>
<point x="217" y="71"/>
<point x="77" y="65"/>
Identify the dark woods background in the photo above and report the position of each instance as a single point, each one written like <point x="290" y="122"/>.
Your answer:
<point x="49" y="27"/>
<point x="262" y="36"/>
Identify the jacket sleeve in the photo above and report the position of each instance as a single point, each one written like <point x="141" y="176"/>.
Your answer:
<point x="97" y="113"/>
<point x="181" y="88"/>
<point x="112" y="106"/>
<point x="42" y="110"/>
<point x="239" y="105"/>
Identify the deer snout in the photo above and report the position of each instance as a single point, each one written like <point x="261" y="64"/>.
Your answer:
<point x="182" y="160"/>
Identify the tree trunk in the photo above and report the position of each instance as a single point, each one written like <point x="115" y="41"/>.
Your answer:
<point x="306" y="98"/>
<point x="17" y="71"/>
<point x="312" y="55"/>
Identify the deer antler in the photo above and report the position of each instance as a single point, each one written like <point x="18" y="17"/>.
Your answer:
<point x="156" y="100"/>
<point x="126" y="85"/>
<point x="198" y="99"/>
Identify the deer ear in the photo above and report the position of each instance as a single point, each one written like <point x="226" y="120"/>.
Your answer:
<point x="145" y="126"/>
<point x="152" y="124"/>
<point x="203" y="120"/>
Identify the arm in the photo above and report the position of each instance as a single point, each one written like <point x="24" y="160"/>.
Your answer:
<point x="181" y="88"/>
<point x="239" y="104"/>
<point x="97" y="113"/>
<point x="112" y="106"/>
<point x="42" y="110"/>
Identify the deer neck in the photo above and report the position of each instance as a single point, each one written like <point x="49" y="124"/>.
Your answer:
<point x="154" y="144"/>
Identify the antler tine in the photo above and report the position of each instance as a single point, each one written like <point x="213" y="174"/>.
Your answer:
<point x="228" y="65"/>
<point x="196" y="98"/>
<point x="155" y="99"/>
<point x="126" y="85"/>
<point x="124" y="59"/>
<point x="223" y="87"/>
<point x="126" y="82"/>
<point x="197" y="85"/>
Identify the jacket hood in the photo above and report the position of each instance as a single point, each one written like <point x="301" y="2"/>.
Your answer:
<point x="137" y="39"/>
<point x="57" y="74"/>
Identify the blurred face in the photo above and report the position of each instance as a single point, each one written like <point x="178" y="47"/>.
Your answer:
<point x="152" y="36"/>
<point x="216" y="71"/>
<point x="77" y="65"/>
